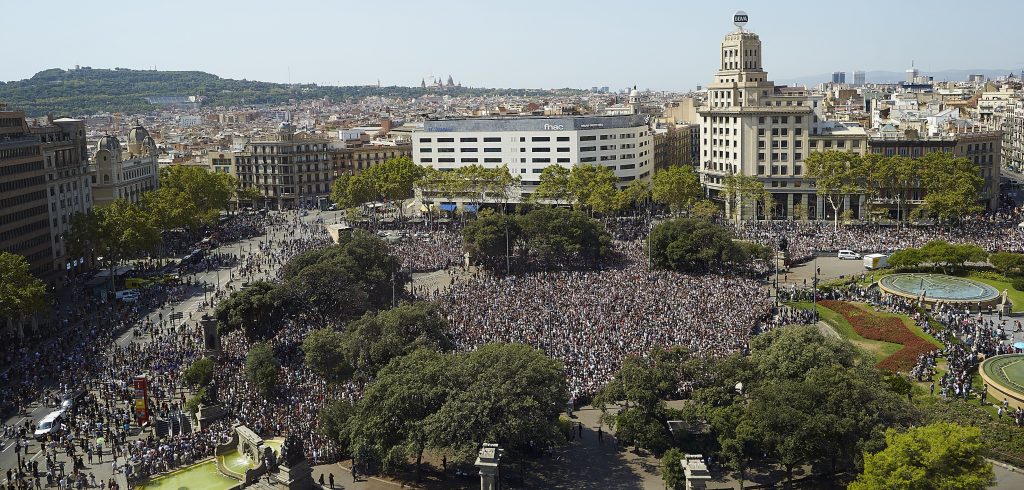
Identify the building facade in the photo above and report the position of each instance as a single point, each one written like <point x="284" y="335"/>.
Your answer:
<point x="24" y="207"/>
<point x="118" y="173"/>
<point x="751" y="127"/>
<point x="527" y="145"/>
<point x="674" y="145"/>
<point x="288" y="170"/>
<point x="982" y="148"/>
<point x="353" y="160"/>
<point x="68" y="182"/>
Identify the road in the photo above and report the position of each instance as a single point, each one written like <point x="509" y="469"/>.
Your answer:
<point x="191" y="311"/>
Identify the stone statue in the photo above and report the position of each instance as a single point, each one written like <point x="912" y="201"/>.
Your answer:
<point x="1005" y="292"/>
<point x="292" y="451"/>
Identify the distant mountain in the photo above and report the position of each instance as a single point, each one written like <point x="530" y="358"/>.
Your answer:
<point x="89" y="91"/>
<point x="878" y="76"/>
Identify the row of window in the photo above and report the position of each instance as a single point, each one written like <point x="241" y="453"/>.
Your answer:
<point x="25" y="229"/>
<point x="27" y="151"/>
<point x="20" y="168"/>
<point x="20" y="215"/>
<point x="12" y="185"/>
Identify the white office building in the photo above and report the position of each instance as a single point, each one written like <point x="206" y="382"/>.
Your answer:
<point x="529" y="144"/>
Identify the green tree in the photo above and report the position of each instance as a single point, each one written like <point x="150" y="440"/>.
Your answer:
<point x="199" y="373"/>
<point x="371" y="342"/>
<point x="392" y="421"/>
<point x="592" y="187"/>
<point x="704" y="210"/>
<point x="672" y="469"/>
<point x="21" y="293"/>
<point x="643" y="385"/>
<point x="329" y="291"/>
<point x="891" y="177"/>
<point x="940" y="455"/>
<point x="790" y="353"/>
<point x="189" y="196"/>
<point x="636" y="193"/>
<point x="393" y="180"/>
<point x="951" y="184"/>
<point x="261" y="369"/>
<point x="324" y="350"/>
<point x="835" y="177"/>
<point x="739" y="190"/>
<point x="693" y="245"/>
<point x="677" y="187"/>
<point x="125" y="230"/>
<point x="554" y="185"/>
<point x="333" y="422"/>
<point x="1006" y="262"/>
<point x="257" y="310"/>
<point x="510" y="394"/>
<point x="559" y="236"/>
<point x="492" y="238"/>
<point x="907" y="259"/>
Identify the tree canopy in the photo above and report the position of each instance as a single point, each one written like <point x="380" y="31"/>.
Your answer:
<point x="939" y="455"/>
<point x="677" y="187"/>
<point x="696" y="245"/>
<point x="21" y="293"/>
<point x="189" y="197"/>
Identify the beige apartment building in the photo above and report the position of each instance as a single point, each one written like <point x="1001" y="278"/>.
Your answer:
<point x="64" y="149"/>
<point x="288" y="170"/>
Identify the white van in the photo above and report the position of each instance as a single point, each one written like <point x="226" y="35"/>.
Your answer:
<point x="848" y="255"/>
<point x="49" y="425"/>
<point x="127" y="295"/>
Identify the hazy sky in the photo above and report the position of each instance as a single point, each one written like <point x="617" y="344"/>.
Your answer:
<point x="521" y="43"/>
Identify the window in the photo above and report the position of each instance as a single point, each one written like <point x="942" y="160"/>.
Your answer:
<point x="492" y="160"/>
<point x="592" y="138"/>
<point x="424" y="140"/>
<point x="446" y="150"/>
<point x="828" y="143"/>
<point x="540" y="138"/>
<point x="541" y="150"/>
<point x="467" y="150"/>
<point x="760" y="120"/>
<point x="562" y="138"/>
<point x="588" y="148"/>
<point x="446" y="140"/>
<point x="445" y="160"/>
<point x="426" y="150"/>
<point x="563" y="150"/>
<point x="563" y="160"/>
<point x="540" y="160"/>
<point x="426" y="160"/>
<point x="467" y="140"/>
<point x="492" y="139"/>
<point x="470" y="160"/>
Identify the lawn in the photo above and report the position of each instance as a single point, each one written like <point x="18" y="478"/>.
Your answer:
<point x="880" y="324"/>
<point x="1017" y="297"/>
<point x="877" y="348"/>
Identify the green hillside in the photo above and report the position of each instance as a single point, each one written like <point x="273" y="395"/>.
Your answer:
<point x="90" y="91"/>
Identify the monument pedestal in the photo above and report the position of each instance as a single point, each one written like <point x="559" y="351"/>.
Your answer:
<point x="296" y="477"/>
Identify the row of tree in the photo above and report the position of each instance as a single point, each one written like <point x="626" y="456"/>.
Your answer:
<point x="589" y="188"/>
<point x="949" y="184"/>
<point x="943" y="255"/>
<point x="188" y="197"/>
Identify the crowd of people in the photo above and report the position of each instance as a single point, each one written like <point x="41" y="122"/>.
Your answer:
<point x="592" y="320"/>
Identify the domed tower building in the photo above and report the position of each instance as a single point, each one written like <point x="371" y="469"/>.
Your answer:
<point x="119" y="173"/>
<point x="634" y="100"/>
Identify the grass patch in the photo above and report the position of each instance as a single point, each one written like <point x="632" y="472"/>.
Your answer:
<point x="877" y="348"/>
<point x="1000" y="282"/>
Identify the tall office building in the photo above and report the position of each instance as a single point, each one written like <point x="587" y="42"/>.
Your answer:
<point x="751" y="127"/>
<point x="859" y="78"/>
<point x="839" y="77"/>
<point x="24" y="210"/>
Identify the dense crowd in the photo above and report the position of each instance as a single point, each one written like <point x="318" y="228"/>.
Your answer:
<point x="592" y="320"/>
<point x="422" y="251"/>
<point x="997" y="232"/>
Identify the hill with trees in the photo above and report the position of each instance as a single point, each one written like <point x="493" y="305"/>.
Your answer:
<point x="86" y="91"/>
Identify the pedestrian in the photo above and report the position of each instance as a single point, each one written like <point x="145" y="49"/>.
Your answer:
<point x="579" y="426"/>
<point x="330" y="478"/>
<point x="321" y="481"/>
<point x="600" y="435"/>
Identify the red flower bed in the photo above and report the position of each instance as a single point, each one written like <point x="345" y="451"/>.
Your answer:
<point x="885" y="328"/>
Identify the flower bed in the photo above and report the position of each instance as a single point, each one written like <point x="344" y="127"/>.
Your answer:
<point x="872" y="326"/>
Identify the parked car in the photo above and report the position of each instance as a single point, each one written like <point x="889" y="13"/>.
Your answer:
<point x="49" y="425"/>
<point x="848" y="255"/>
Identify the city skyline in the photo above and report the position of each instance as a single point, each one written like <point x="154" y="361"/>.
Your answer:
<point x="670" y="47"/>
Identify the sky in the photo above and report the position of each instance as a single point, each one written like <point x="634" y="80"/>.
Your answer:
<point x="660" y="45"/>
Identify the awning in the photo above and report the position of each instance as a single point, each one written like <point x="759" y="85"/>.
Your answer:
<point x="471" y="208"/>
<point x="447" y="206"/>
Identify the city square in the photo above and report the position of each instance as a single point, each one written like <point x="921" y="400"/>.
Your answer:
<point x="225" y="283"/>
